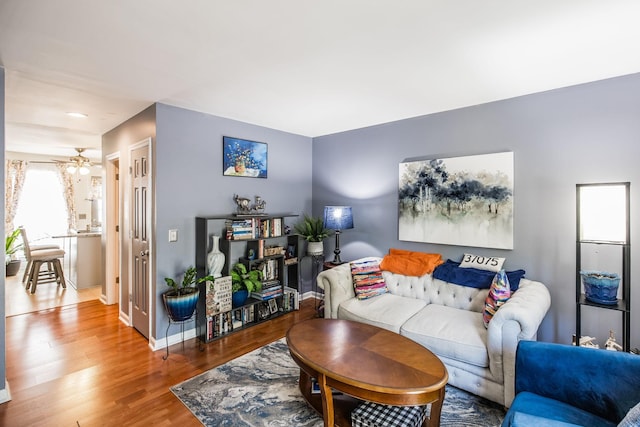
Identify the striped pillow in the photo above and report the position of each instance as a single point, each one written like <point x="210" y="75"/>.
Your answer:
<point x="367" y="279"/>
<point x="499" y="293"/>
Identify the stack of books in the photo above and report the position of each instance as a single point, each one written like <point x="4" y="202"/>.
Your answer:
<point x="240" y="229"/>
<point x="253" y="228"/>
<point x="270" y="289"/>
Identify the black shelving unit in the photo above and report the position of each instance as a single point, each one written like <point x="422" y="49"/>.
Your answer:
<point x="623" y="304"/>
<point x="254" y="311"/>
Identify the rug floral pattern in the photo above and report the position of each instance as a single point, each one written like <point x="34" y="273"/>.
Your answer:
<point x="261" y="389"/>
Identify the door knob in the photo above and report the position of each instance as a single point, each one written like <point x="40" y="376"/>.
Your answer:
<point x="144" y="253"/>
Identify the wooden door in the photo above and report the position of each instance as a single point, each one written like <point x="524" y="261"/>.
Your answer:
<point x="140" y="218"/>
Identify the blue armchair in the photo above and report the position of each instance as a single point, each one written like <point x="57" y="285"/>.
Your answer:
<point x="564" y="385"/>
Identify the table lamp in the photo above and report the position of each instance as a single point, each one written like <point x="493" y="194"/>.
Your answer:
<point x="338" y="218"/>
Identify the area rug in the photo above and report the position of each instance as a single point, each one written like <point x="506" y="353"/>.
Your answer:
<point x="261" y="389"/>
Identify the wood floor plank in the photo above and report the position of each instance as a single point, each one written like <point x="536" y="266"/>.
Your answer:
<point x="79" y="365"/>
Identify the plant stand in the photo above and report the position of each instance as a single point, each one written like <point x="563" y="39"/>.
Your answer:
<point x="181" y="323"/>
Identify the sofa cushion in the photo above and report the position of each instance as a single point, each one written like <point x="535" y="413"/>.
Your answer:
<point x="367" y="279"/>
<point x="520" y="419"/>
<point x="386" y="311"/>
<point x="530" y="403"/>
<point x="450" y="332"/>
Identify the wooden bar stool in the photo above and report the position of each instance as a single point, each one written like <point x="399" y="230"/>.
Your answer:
<point x="28" y="248"/>
<point x="53" y="272"/>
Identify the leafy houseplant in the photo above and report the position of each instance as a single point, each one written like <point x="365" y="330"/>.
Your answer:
<point x="244" y="282"/>
<point x="10" y="249"/>
<point x="312" y="229"/>
<point x="180" y="301"/>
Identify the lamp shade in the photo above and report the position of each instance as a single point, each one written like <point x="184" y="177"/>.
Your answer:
<point x="338" y="217"/>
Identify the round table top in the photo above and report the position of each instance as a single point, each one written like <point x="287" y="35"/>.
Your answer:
<point x="366" y="356"/>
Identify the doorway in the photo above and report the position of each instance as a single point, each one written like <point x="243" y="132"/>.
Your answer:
<point x="111" y="230"/>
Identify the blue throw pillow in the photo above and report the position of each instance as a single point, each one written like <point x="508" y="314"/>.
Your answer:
<point x="451" y="272"/>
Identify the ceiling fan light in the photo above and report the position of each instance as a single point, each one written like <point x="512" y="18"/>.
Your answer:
<point x="84" y="170"/>
<point x="71" y="169"/>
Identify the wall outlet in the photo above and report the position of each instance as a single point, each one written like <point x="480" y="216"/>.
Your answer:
<point x="173" y="235"/>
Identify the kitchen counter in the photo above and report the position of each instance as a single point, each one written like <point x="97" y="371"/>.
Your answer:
<point x="83" y="259"/>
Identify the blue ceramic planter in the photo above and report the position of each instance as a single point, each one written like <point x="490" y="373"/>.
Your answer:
<point x="180" y="307"/>
<point x="600" y="287"/>
<point x="238" y="298"/>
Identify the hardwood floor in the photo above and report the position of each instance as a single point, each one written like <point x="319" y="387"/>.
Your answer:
<point x="77" y="365"/>
<point x="19" y="300"/>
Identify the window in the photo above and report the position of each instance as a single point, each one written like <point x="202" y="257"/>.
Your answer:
<point x="41" y="208"/>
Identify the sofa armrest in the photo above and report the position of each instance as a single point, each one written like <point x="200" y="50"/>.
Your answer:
<point x="338" y="286"/>
<point x="602" y="382"/>
<point x="517" y="319"/>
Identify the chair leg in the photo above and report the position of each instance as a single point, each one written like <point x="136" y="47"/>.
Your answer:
<point x="35" y="275"/>
<point x="59" y="273"/>
<point x="31" y="275"/>
<point x="27" y="271"/>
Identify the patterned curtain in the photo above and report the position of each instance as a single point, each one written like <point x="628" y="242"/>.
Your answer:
<point x="14" y="174"/>
<point x="68" y="193"/>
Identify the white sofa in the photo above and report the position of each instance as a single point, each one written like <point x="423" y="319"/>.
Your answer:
<point x="447" y="319"/>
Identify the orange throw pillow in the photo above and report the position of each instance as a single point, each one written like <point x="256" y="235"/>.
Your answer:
<point x="410" y="263"/>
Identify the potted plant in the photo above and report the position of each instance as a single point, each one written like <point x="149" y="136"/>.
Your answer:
<point x="180" y="301"/>
<point x="243" y="282"/>
<point x="312" y="229"/>
<point x="11" y="247"/>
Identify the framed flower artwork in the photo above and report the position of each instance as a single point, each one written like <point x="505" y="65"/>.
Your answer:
<point x="241" y="157"/>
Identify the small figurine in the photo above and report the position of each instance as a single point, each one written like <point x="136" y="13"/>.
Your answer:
<point x="259" y="205"/>
<point x="587" y="341"/>
<point x="611" y="343"/>
<point x="242" y="204"/>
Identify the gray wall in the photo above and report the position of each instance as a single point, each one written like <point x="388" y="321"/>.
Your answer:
<point x="3" y="363"/>
<point x="579" y="134"/>
<point x="189" y="182"/>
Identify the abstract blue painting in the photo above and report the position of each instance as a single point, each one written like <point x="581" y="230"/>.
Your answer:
<point x="464" y="201"/>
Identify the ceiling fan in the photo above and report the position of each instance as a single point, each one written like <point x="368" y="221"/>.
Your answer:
<point x="79" y="163"/>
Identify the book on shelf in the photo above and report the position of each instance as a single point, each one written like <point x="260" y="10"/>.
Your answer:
<point x="291" y="299"/>
<point x="269" y="267"/>
<point x="237" y="320"/>
<point x="218" y="295"/>
<point x="219" y="324"/>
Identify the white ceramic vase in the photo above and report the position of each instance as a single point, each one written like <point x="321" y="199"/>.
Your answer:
<point x="215" y="259"/>
<point x="315" y="248"/>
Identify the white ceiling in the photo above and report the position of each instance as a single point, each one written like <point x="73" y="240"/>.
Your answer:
<point x="302" y="66"/>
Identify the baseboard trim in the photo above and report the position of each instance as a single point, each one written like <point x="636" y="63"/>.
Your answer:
<point x="312" y="294"/>
<point x="5" y="394"/>
<point x="159" y="344"/>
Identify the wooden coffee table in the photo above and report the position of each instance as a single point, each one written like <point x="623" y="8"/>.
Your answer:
<point x="364" y="362"/>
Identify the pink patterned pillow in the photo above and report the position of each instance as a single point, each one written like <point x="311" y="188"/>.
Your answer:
<point x="499" y="293"/>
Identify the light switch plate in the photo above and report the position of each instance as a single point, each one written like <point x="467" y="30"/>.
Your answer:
<point x="173" y="235"/>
